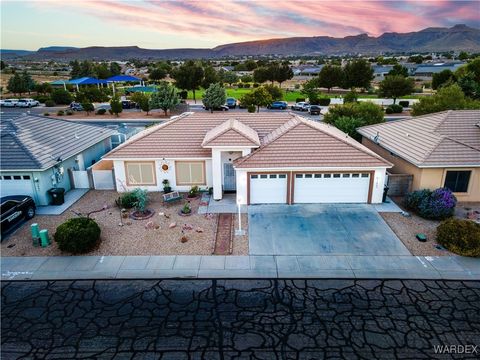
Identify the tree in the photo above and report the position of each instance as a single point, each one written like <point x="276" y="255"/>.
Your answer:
<point x="157" y="73"/>
<point x="470" y="87"/>
<point x="281" y="73"/>
<point x="214" y="97"/>
<point x="348" y="117"/>
<point x="417" y="59"/>
<point x="142" y="100"/>
<point x="2" y="65"/>
<point x="116" y="106"/>
<point x="448" y="97"/>
<point x="310" y="89"/>
<point x="261" y="74"/>
<point x="88" y="107"/>
<point x="274" y="91"/>
<point x="76" y="71"/>
<point x="357" y="74"/>
<point x="189" y="76"/>
<point x="166" y="98"/>
<point x="102" y="71"/>
<point x="399" y="70"/>
<point x="115" y="69"/>
<point x="246" y="78"/>
<point x="250" y="65"/>
<point x="330" y="76"/>
<point x="43" y="88"/>
<point x="229" y="77"/>
<point x="258" y="97"/>
<point x="442" y="78"/>
<point x="28" y="81"/>
<point x="463" y="56"/>
<point x="61" y="97"/>
<point x="16" y="84"/>
<point x="394" y="86"/>
<point x="210" y="76"/>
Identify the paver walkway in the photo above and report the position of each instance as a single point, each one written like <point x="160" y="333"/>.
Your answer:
<point x="223" y="238"/>
<point x="248" y="267"/>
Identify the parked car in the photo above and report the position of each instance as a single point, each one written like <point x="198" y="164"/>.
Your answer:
<point x="301" y="106"/>
<point x="15" y="208"/>
<point x="10" y="102"/>
<point x="76" y="106"/>
<point x="129" y="104"/>
<point x="27" y="103"/>
<point x="221" y="108"/>
<point x="282" y="105"/>
<point x="231" y="103"/>
<point x="314" y="110"/>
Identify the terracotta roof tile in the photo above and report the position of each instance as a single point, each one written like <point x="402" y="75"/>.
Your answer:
<point x="231" y="132"/>
<point x="448" y="138"/>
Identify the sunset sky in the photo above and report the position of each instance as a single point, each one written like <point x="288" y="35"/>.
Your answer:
<point x="172" y="24"/>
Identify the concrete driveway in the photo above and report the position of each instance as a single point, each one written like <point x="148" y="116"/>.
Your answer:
<point x="320" y="229"/>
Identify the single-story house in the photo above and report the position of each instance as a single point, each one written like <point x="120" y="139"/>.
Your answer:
<point x="426" y="71"/>
<point x="266" y="158"/>
<point x="439" y="150"/>
<point x="38" y="152"/>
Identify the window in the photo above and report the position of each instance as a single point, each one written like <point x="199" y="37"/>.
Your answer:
<point x="140" y="173"/>
<point x="26" y="177"/>
<point x="364" y="175"/>
<point x="318" y="176"/>
<point x="7" y="177"/>
<point x="355" y="175"/>
<point x="308" y="176"/>
<point x="346" y="175"/>
<point x="273" y="176"/>
<point x="298" y="176"/>
<point x="263" y="176"/>
<point x="190" y="172"/>
<point x="17" y="177"/>
<point x="336" y="175"/>
<point x="282" y="176"/>
<point x="457" y="181"/>
<point x="327" y="176"/>
<point x="254" y="176"/>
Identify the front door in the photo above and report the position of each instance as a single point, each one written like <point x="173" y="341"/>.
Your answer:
<point x="229" y="182"/>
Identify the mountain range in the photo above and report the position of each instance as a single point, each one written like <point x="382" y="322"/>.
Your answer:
<point x="456" y="38"/>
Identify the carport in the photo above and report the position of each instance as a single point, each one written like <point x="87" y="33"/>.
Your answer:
<point x="320" y="229"/>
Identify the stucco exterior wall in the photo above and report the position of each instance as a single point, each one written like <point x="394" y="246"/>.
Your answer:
<point x="428" y="178"/>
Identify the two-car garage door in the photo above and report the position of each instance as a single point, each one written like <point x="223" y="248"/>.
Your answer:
<point x="310" y="188"/>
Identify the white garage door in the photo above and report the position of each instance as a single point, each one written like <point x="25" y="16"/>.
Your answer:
<point x="331" y="188"/>
<point x="268" y="189"/>
<point x="16" y="185"/>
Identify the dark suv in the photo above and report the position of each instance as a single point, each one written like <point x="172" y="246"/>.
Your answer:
<point x="15" y="208"/>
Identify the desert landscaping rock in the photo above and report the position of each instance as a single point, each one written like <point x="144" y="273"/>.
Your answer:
<point x="133" y="239"/>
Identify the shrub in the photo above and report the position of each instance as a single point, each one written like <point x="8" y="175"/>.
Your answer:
<point x="439" y="205"/>
<point x="299" y="99"/>
<point x="460" y="236"/>
<point x="256" y="85"/>
<point x="183" y="94"/>
<point x="394" y="109"/>
<point x="127" y="200"/>
<point x="42" y="98"/>
<point x="350" y="97"/>
<point x="404" y="103"/>
<point x="46" y="114"/>
<point x="69" y="112"/>
<point x="77" y="235"/>
<point x="60" y="113"/>
<point x="193" y="191"/>
<point x="101" y="111"/>
<point x="251" y="108"/>
<point x="61" y="97"/>
<point x="246" y="86"/>
<point x="324" y="101"/>
<point x="49" y="103"/>
<point x="88" y="107"/>
<point x="186" y="209"/>
<point x="141" y="199"/>
<point x="412" y="200"/>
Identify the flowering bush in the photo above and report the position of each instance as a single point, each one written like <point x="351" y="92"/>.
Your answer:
<point x="436" y="205"/>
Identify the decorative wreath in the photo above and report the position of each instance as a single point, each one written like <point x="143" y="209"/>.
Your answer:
<point x="165" y="166"/>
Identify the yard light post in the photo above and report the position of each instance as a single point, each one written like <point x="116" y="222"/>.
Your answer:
<point x="239" y="231"/>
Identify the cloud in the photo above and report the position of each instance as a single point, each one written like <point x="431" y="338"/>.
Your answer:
<point x="224" y="21"/>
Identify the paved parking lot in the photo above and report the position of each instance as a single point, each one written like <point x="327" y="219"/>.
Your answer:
<point x="320" y="229"/>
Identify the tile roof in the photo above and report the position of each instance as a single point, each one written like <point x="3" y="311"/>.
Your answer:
<point x="35" y="143"/>
<point x="231" y="132"/>
<point x="305" y="143"/>
<point x="448" y="138"/>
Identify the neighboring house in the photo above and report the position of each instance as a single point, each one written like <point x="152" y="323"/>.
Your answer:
<point x="266" y="158"/>
<point x="426" y="71"/>
<point x="38" y="153"/>
<point x="439" y="150"/>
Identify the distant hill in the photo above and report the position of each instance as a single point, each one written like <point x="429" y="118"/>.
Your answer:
<point x="456" y="38"/>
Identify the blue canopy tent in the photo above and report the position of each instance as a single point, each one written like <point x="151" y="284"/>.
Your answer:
<point x="141" y="89"/>
<point x="122" y="78"/>
<point x="86" y="81"/>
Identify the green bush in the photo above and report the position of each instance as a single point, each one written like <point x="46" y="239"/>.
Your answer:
<point x="299" y="99"/>
<point x="404" y="103"/>
<point x="350" y="97"/>
<point x="127" y="200"/>
<point x="438" y="204"/>
<point x="324" y="101"/>
<point x="60" y="113"/>
<point x="69" y="112"/>
<point x="77" y="235"/>
<point x="61" y="97"/>
<point x="251" y="108"/>
<point x="49" y="103"/>
<point x="46" y="114"/>
<point x="394" y="109"/>
<point x="101" y="111"/>
<point x="183" y="94"/>
<point x="413" y="199"/>
<point x="42" y="98"/>
<point x="459" y="236"/>
<point x="141" y="199"/>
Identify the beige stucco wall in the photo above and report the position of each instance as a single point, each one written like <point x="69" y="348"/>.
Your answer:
<point x="428" y="178"/>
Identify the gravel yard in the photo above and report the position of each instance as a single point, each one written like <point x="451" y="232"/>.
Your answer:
<point x="136" y="237"/>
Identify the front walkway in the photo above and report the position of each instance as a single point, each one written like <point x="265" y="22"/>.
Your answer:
<point x="227" y="205"/>
<point x="71" y="197"/>
<point x="246" y="267"/>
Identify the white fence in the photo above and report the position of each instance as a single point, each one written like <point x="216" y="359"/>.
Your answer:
<point x="80" y="179"/>
<point x="103" y="180"/>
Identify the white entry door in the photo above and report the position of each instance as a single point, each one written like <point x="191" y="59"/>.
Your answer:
<point x="331" y="188"/>
<point x="268" y="189"/>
